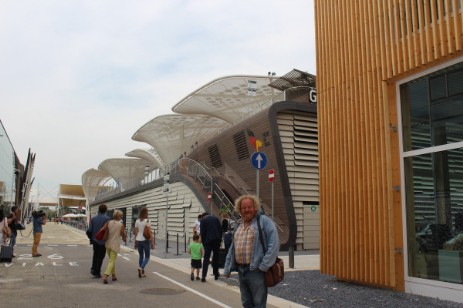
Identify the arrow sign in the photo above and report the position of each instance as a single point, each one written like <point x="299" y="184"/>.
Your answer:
<point x="259" y="160"/>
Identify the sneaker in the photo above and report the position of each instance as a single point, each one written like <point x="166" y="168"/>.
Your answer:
<point x="192" y="276"/>
<point x="203" y="279"/>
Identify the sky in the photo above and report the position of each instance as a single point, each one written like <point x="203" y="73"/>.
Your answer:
<point x="79" y="77"/>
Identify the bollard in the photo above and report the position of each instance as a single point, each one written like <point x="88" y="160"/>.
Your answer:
<point x="167" y="242"/>
<point x="291" y="257"/>
<point x="177" y="245"/>
<point x="185" y="242"/>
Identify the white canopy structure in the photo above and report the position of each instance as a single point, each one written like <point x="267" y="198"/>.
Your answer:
<point x="125" y="170"/>
<point x="92" y="181"/>
<point x="205" y="112"/>
<point x="174" y="135"/>
<point x="150" y="155"/>
<point x="231" y="98"/>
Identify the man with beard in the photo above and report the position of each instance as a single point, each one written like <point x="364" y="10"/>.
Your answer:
<point x="211" y="237"/>
<point x="246" y="254"/>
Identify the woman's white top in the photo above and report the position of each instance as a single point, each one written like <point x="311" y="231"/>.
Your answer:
<point x="140" y="225"/>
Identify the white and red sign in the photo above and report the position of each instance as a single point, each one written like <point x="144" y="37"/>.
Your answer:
<point x="209" y="196"/>
<point x="271" y="175"/>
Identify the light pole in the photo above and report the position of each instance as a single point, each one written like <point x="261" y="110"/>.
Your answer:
<point x="147" y="170"/>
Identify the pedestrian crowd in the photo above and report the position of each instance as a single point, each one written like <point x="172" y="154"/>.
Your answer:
<point x="11" y="224"/>
<point x="243" y="251"/>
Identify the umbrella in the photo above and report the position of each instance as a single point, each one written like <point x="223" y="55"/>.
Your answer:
<point x="69" y="215"/>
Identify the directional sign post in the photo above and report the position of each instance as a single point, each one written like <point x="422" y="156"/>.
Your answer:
<point x="259" y="161"/>
<point x="271" y="179"/>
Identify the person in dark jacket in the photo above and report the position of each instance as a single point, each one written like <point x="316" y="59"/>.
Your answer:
<point x="99" y="249"/>
<point x="14" y="216"/>
<point x="211" y="237"/>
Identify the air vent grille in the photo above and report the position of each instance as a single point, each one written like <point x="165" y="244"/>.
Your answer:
<point x="241" y="147"/>
<point x="214" y="156"/>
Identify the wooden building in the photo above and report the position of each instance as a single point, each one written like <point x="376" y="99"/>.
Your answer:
<point x="390" y="112"/>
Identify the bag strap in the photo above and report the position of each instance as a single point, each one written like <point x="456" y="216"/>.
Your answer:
<point x="261" y="235"/>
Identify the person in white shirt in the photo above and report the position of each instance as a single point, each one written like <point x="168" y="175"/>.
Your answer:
<point x="196" y="227"/>
<point x="142" y="243"/>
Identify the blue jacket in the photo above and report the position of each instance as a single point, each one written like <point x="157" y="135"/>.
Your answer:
<point x="259" y="259"/>
<point x="37" y="223"/>
<point x="96" y="224"/>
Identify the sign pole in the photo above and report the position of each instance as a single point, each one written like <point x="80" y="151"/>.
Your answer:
<point x="257" y="183"/>
<point x="271" y="179"/>
<point x="273" y="217"/>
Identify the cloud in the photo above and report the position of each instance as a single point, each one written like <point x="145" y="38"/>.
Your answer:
<point x="79" y="77"/>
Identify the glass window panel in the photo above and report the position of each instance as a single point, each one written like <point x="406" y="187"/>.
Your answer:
<point x="7" y="170"/>
<point x="437" y="87"/>
<point x="434" y="198"/>
<point x="415" y="115"/>
<point x="437" y="119"/>
<point x="455" y="82"/>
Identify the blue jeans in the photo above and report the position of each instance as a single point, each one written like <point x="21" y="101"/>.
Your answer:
<point x="143" y="253"/>
<point x="13" y="239"/>
<point x="252" y="288"/>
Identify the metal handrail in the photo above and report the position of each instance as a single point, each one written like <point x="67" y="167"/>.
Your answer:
<point x="199" y="172"/>
<point x="186" y="166"/>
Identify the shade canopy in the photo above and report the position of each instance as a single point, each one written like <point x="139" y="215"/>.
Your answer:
<point x="71" y="195"/>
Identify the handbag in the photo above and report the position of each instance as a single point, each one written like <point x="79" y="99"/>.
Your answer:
<point x="6" y="230"/>
<point x="103" y="234"/>
<point x="6" y="253"/>
<point x="147" y="231"/>
<point x="276" y="273"/>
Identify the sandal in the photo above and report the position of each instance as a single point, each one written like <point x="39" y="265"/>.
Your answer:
<point x="105" y="279"/>
<point x="114" y="278"/>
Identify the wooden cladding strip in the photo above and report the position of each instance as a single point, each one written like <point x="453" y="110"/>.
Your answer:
<point x="362" y="46"/>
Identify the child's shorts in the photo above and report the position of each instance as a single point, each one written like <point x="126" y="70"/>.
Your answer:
<point x="196" y="263"/>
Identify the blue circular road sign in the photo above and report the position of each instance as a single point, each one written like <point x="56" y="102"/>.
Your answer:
<point x="259" y="160"/>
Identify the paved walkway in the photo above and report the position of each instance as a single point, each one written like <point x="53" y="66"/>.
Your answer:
<point x="59" y="241"/>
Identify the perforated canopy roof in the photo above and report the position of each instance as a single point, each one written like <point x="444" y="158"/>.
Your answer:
<point x="92" y="180"/>
<point x="150" y="155"/>
<point x="174" y="134"/>
<point x="124" y="170"/>
<point x="230" y="98"/>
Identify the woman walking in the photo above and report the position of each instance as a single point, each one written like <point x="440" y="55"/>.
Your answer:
<point x="113" y="244"/>
<point x="142" y="243"/>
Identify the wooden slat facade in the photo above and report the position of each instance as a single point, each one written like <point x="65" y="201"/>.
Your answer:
<point x="363" y="48"/>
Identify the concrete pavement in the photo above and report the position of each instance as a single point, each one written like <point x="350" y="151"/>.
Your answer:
<point x="61" y="278"/>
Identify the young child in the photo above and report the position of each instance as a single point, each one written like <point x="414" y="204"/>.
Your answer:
<point x="196" y="251"/>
